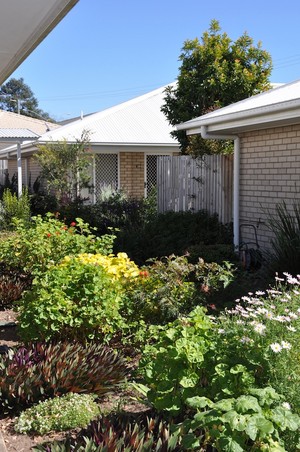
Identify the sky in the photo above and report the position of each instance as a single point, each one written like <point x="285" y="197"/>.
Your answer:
<point x="105" y="52"/>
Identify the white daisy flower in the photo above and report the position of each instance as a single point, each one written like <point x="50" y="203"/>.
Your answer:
<point x="276" y="347"/>
<point x="286" y="345"/>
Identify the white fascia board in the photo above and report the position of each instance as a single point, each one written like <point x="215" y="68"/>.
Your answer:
<point x="258" y="118"/>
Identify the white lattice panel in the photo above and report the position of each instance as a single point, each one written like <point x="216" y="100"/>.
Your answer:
<point x="106" y="172"/>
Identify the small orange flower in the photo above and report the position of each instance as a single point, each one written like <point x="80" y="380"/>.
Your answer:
<point x="48" y="235"/>
<point x="144" y="274"/>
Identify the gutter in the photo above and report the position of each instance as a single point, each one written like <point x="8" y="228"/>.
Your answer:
<point x="236" y="179"/>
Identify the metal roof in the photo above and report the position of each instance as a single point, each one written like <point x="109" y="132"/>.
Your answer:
<point x="12" y="121"/>
<point x="8" y="135"/>
<point x="279" y="105"/>
<point x="137" y="121"/>
<point x="23" y="25"/>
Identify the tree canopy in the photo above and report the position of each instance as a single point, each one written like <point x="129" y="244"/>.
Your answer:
<point x="17" y="97"/>
<point x="214" y="72"/>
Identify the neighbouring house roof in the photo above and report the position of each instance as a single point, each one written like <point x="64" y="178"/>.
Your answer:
<point x="14" y="122"/>
<point x="279" y="106"/>
<point x="138" y="121"/>
<point x="17" y="135"/>
<point x="23" y="25"/>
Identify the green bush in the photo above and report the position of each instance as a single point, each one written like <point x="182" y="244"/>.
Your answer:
<point x="41" y="371"/>
<point x="13" y="207"/>
<point x="162" y="292"/>
<point x="171" y="286"/>
<point x="42" y="203"/>
<point x="174" y="366"/>
<point x="76" y="299"/>
<point x="172" y="233"/>
<point x="61" y="413"/>
<point x="47" y="240"/>
<point x="114" y="210"/>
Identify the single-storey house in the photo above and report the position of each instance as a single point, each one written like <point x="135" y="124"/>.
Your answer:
<point x="125" y="139"/>
<point x="266" y="133"/>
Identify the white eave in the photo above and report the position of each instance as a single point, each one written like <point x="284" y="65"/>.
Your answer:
<point x="279" y="106"/>
<point x="23" y="25"/>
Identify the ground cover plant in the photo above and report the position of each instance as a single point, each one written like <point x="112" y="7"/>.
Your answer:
<point x="61" y="413"/>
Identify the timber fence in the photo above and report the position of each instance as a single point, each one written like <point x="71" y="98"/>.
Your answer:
<point x="185" y="183"/>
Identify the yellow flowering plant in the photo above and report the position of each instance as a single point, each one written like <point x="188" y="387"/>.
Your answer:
<point x="119" y="267"/>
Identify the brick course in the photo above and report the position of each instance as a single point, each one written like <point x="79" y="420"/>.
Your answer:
<point x="270" y="173"/>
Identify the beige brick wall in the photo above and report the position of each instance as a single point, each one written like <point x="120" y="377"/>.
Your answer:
<point x="270" y="173"/>
<point x="132" y="173"/>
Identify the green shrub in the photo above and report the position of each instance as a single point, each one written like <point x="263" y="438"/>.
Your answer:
<point x="76" y="299"/>
<point x="162" y="292"/>
<point x="171" y="286"/>
<point x="114" y="209"/>
<point x="217" y="366"/>
<point x="13" y="207"/>
<point x="41" y="371"/>
<point x="174" y="366"/>
<point x="61" y="413"/>
<point x="46" y="241"/>
<point x="172" y="233"/>
<point x="42" y="203"/>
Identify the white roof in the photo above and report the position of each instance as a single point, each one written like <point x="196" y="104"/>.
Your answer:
<point x="280" y="105"/>
<point x="23" y="25"/>
<point x="137" y="121"/>
<point x="17" y="134"/>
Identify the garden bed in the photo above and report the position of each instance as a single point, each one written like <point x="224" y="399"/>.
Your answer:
<point x="24" y="443"/>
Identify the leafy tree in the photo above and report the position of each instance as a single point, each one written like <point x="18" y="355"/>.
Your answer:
<point x="65" y="167"/>
<point x="214" y="72"/>
<point x="16" y="96"/>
